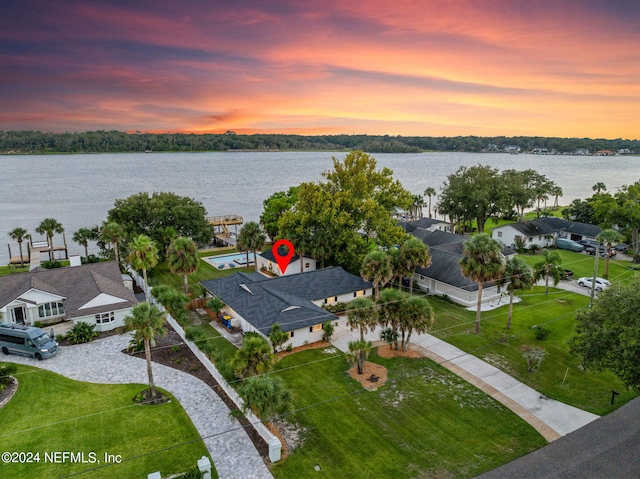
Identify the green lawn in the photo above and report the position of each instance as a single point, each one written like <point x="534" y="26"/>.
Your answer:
<point x="424" y="422"/>
<point x="52" y="413"/>
<point x="556" y="311"/>
<point x="582" y="264"/>
<point x="161" y="274"/>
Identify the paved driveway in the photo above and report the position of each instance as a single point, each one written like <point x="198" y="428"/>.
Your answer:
<point x="101" y="361"/>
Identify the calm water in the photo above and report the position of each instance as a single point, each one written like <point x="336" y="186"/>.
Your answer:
<point x="79" y="190"/>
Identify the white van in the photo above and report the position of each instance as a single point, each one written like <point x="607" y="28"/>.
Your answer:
<point x="27" y="341"/>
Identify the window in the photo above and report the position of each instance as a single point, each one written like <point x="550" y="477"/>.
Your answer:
<point x="104" y="318"/>
<point x="47" y="310"/>
<point x="359" y="293"/>
<point x="499" y="234"/>
<point x="306" y="265"/>
<point x="315" y="327"/>
<point x="331" y="300"/>
<point x="291" y="333"/>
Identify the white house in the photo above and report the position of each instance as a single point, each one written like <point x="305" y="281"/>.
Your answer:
<point x="267" y="262"/>
<point x="544" y="231"/>
<point x="92" y="293"/>
<point x="256" y="302"/>
<point x="444" y="277"/>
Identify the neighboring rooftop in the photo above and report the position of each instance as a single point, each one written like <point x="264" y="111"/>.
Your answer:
<point x="78" y="286"/>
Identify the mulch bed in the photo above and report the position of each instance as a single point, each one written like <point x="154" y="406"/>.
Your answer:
<point x="7" y="393"/>
<point x="171" y="351"/>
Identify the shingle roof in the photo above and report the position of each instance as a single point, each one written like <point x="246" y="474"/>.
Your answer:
<point x="446" y="252"/>
<point x="285" y="300"/>
<point x="78" y="285"/>
<point x="549" y="225"/>
<point x="426" y="222"/>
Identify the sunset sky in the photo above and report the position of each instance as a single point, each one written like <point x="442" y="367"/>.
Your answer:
<point x="403" y="67"/>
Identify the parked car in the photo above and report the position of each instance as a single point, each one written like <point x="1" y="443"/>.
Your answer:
<point x="602" y="251"/>
<point x="589" y="243"/>
<point x="568" y="274"/>
<point x="601" y="283"/>
<point x="563" y="243"/>
<point x="622" y="247"/>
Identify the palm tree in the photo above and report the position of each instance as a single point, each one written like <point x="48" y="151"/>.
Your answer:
<point x="517" y="275"/>
<point x="389" y="306"/>
<point x="254" y="357"/>
<point x="82" y="237"/>
<point x="143" y="256"/>
<point x="416" y="314"/>
<point x="556" y="191"/>
<point x="413" y="254"/>
<point x="216" y="305"/>
<point x="416" y="207"/>
<point x="321" y="246"/>
<point x="266" y="396"/>
<point x="359" y="352"/>
<point x="49" y="227"/>
<point x="482" y="261"/>
<point x="599" y="187"/>
<point x="19" y="235"/>
<point x="429" y="192"/>
<point x="377" y="268"/>
<point x="607" y="237"/>
<point x="251" y="238"/>
<point x="113" y="233"/>
<point x="147" y="323"/>
<point x="361" y="314"/>
<point x="549" y="266"/>
<point x="182" y="257"/>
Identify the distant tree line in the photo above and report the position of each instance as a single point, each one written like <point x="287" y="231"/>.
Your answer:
<point x="116" y="141"/>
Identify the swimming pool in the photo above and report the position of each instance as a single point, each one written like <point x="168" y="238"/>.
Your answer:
<point x="230" y="260"/>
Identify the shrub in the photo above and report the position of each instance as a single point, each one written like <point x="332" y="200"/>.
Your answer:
<point x="51" y="264"/>
<point x="289" y="347"/>
<point x="534" y="248"/>
<point x="6" y="370"/>
<point x="81" y="333"/>
<point x="135" y="345"/>
<point x="533" y="355"/>
<point x="336" y="308"/>
<point x="327" y="328"/>
<point x="191" y="474"/>
<point x="192" y="333"/>
<point x="541" y="332"/>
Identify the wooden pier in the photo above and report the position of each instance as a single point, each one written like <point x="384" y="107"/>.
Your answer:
<point x="221" y="224"/>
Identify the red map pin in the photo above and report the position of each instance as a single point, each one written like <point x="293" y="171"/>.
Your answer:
<point x="283" y="261"/>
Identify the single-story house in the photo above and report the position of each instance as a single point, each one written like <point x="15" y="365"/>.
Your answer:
<point x="92" y="293"/>
<point x="544" y="231"/>
<point x="295" y="302"/>
<point x="429" y="224"/>
<point x="444" y="276"/>
<point x="267" y="262"/>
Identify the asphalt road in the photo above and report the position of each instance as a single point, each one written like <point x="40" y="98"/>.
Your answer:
<point x="607" y="448"/>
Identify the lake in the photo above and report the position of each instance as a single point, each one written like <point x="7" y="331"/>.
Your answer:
<point x="79" y="190"/>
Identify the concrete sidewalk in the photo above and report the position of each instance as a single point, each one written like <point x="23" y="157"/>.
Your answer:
<point x="553" y="419"/>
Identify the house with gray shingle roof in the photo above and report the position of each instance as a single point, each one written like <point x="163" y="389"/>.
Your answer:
<point x="444" y="277"/>
<point x="256" y="302"/>
<point x="267" y="262"/>
<point x="544" y="231"/>
<point x="92" y="293"/>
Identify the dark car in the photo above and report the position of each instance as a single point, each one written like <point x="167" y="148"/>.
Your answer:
<point x="622" y="247"/>
<point x="602" y="251"/>
<point x="589" y="243"/>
